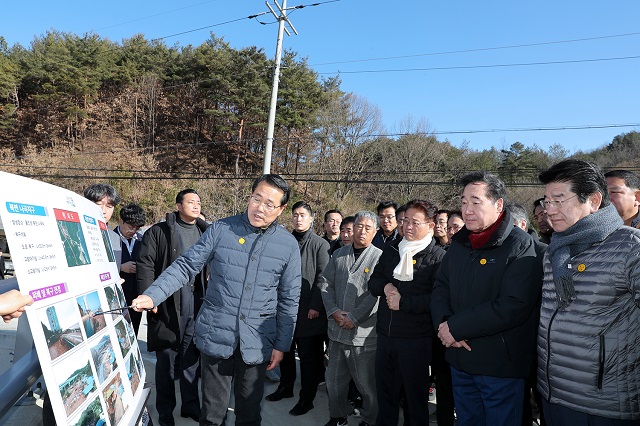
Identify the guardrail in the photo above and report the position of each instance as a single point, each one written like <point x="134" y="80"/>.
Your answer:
<point x="25" y="371"/>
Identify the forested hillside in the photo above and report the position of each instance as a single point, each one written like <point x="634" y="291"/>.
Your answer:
<point x="152" y="119"/>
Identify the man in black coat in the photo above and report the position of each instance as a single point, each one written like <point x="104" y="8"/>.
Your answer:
<point x="132" y="217"/>
<point x="171" y="324"/>
<point x="484" y="306"/>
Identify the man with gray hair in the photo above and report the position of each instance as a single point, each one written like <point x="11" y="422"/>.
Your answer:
<point x="351" y="311"/>
<point x="483" y="306"/>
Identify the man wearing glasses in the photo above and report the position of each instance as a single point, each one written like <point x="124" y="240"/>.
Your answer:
<point x="249" y="311"/>
<point x="388" y="224"/>
<point x="589" y="332"/>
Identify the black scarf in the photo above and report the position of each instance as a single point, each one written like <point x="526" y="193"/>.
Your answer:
<point x="586" y="232"/>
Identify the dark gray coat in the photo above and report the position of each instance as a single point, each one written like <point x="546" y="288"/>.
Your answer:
<point x="589" y="352"/>
<point x="314" y="255"/>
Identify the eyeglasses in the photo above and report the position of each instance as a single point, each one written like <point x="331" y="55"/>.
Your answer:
<point x="400" y="221"/>
<point x="554" y="203"/>
<point x="540" y="215"/>
<point x="454" y="228"/>
<point x="257" y="201"/>
<point x="333" y="221"/>
<point x="388" y="217"/>
<point x="413" y="223"/>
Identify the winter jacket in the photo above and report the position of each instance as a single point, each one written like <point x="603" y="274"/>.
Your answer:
<point x="252" y="295"/>
<point x="314" y="255"/>
<point x="589" y="352"/>
<point x="488" y="298"/>
<point x="159" y="250"/>
<point x="413" y="318"/>
<point x="344" y="286"/>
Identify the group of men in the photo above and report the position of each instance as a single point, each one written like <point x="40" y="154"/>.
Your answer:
<point x="230" y="293"/>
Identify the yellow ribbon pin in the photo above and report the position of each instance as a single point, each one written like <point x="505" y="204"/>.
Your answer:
<point x="414" y="261"/>
<point x="366" y="270"/>
<point x="582" y="267"/>
<point x="241" y="240"/>
<point x="483" y="261"/>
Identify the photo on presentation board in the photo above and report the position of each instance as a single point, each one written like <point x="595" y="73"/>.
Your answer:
<point x="61" y="327"/>
<point x="104" y="358"/>
<point x="106" y="239"/>
<point x="132" y="373"/>
<point x="123" y="301"/>
<point x="76" y="380"/>
<point x="89" y="305"/>
<point x="92" y="415"/>
<point x="73" y="241"/>
<point x="123" y="337"/>
<point x="112" y="297"/>
<point x="113" y="397"/>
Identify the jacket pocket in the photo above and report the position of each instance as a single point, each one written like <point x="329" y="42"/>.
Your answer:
<point x="601" y="361"/>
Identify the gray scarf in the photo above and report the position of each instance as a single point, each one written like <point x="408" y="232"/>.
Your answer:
<point x="589" y="230"/>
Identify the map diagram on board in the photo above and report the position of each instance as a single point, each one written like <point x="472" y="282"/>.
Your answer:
<point x="63" y="258"/>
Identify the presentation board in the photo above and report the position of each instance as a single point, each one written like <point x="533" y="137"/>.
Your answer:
<point x="62" y="257"/>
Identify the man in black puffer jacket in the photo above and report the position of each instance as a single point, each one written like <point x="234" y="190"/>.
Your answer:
<point x="483" y="306"/>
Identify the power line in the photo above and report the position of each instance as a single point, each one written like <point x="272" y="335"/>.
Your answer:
<point x="481" y="49"/>
<point x="241" y="19"/>
<point x="369" y="137"/>
<point x="465" y="67"/>
<point x="157" y="14"/>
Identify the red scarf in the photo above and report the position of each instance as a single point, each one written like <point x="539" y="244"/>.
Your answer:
<point x="479" y="239"/>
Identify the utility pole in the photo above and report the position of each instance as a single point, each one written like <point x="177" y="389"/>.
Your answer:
<point x="282" y="18"/>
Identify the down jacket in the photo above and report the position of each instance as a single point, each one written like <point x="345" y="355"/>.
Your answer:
<point x="252" y="293"/>
<point x="589" y="352"/>
<point x="488" y="296"/>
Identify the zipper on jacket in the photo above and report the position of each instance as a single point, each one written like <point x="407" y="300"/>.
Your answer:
<point x="506" y="348"/>
<point x="549" y="353"/>
<point x="601" y="363"/>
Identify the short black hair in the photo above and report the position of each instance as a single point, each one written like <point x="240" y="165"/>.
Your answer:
<point x="326" y="215"/>
<point x="385" y="205"/>
<point x="584" y="177"/>
<point x="304" y="205"/>
<point x="133" y="214"/>
<point x="97" y="191"/>
<point x="275" y="181"/>
<point x="630" y="179"/>
<point x="425" y="206"/>
<point x="537" y="204"/>
<point x="181" y="194"/>
<point x="496" y="188"/>
<point x="401" y="209"/>
<point x="456" y="213"/>
<point x="347" y="220"/>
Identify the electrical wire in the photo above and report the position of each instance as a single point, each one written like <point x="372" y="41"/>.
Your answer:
<point x="466" y="67"/>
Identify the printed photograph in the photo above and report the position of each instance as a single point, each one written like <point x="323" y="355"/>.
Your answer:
<point x="123" y="301"/>
<point x="76" y="380"/>
<point x="93" y="415"/>
<point x="112" y="297"/>
<point x="61" y="327"/>
<point x="113" y="397"/>
<point x="123" y="337"/>
<point x="92" y="320"/>
<point x="139" y="362"/>
<point x="107" y="242"/>
<point x="104" y="358"/>
<point x="73" y="241"/>
<point x="132" y="373"/>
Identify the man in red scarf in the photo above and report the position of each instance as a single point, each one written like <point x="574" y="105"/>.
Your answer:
<point x="483" y="306"/>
